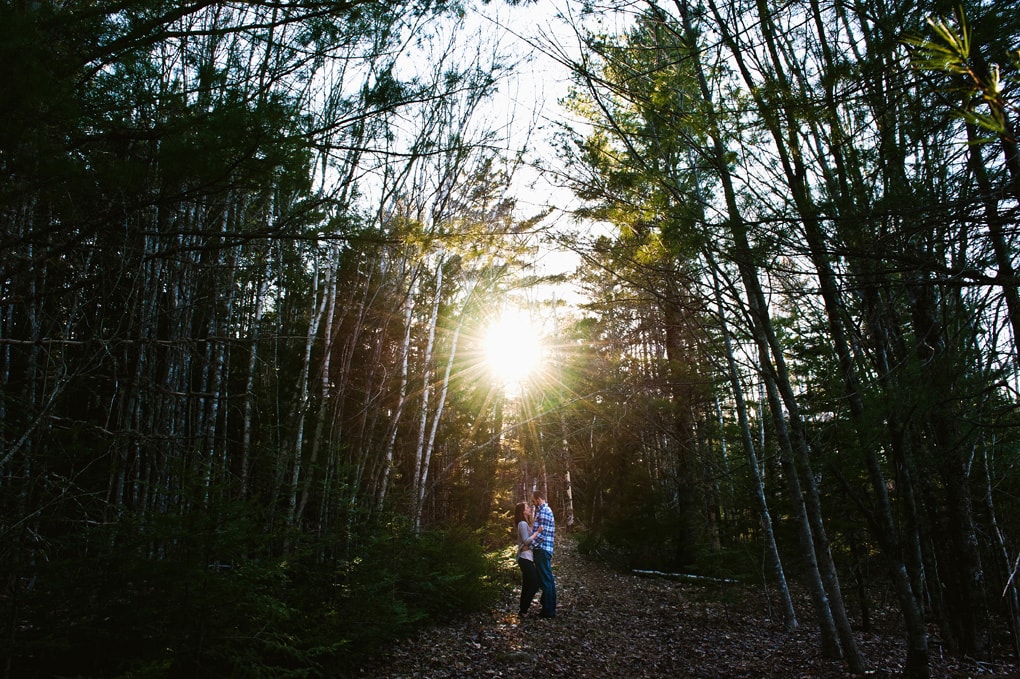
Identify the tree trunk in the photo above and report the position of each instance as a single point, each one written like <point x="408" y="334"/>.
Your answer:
<point x="325" y="386"/>
<point x="685" y="457"/>
<point x="996" y="233"/>
<point x="757" y="486"/>
<point x="1009" y="565"/>
<point x="405" y="353"/>
<point x="254" y="333"/>
<point x="437" y="417"/>
<point x="427" y="362"/>
<point x="302" y="400"/>
<point x="792" y="160"/>
<point x="766" y="343"/>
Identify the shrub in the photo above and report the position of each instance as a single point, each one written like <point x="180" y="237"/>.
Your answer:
<point x="125" y="613"/>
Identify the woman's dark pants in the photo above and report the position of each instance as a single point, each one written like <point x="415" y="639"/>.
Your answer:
<point x="529" y="585"/>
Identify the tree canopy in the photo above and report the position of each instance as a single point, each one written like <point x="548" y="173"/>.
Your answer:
<point x="252" y="255"/>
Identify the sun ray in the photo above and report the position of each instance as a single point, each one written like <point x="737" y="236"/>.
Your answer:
<point x="513" y="349"/>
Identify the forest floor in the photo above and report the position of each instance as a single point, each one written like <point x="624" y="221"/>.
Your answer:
<point x="613" y="624"/>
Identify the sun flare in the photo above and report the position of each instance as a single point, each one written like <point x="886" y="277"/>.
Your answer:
<point x="513" y="348"/>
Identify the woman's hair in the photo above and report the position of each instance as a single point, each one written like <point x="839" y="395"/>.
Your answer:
<point x="519" y="513"/>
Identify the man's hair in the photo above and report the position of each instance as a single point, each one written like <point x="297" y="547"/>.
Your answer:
<point x="536" y="495"/>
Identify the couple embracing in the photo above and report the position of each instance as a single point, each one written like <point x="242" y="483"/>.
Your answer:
<point x="536" y="532"/>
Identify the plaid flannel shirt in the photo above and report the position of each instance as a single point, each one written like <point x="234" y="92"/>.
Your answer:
<point x="544" y="518"/>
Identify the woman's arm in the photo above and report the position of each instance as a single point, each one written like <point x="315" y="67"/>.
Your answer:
<point x="525" y="533"/>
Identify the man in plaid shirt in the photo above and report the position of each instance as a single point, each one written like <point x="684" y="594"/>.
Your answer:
<point x="542" y="547"/>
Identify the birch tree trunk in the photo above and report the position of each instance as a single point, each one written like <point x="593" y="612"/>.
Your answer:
<point x="757" y="485"/>
<point x="568" y="488"/>
<point x="792" y="159"/>
<point x="768" y="350"/>
<point x="436" y="418"/>
<point x="321" y="287"/>
<point x="428" y="364"/>
<point x="325" y="377"/>
<point x="394" y="425"/>
<point x="254" y="333"/>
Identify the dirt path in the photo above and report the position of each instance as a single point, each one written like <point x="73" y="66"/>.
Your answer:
<point x="616" y="625"/>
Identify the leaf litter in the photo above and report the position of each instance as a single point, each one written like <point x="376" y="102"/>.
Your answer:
<point x="614" y="624"/>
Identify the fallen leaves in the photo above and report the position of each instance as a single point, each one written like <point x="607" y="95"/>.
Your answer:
<point x="610" y="624"/>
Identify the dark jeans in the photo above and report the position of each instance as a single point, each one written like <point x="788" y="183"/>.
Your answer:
<point x="529" y="585"/>
<point x="543" y="563"/>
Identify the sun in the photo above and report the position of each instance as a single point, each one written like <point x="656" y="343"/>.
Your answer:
<point x="513" y="348"/>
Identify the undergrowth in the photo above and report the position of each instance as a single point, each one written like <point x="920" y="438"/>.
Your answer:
<point x="130" y="611"/>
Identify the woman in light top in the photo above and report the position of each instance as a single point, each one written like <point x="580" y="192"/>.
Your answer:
<point x="525" y="557"/>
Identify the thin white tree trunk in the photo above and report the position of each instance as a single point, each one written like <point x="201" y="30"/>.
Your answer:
<point x="426" y="396"/>
<point x="329" y="296"/>
<point x="394" y="425"/>
<point x="300" y="410"/>
<point x="438" y="415"/>
<point x="568" y="487"/>
<point x="249" y="397"/>
<point x="757" y="485"/>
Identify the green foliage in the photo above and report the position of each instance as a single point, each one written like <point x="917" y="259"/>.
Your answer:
<point x="951" y="50"/>
<point x="206" y="597"/>
<point x="741" y="561"/>
<point x="639" y="529"/>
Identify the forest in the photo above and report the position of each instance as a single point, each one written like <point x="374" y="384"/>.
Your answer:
<point x="255" y="257"/>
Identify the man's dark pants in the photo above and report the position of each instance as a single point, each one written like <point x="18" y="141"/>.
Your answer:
<point x="543" y="562"/>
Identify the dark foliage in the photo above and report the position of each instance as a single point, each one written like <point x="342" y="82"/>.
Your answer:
<point x="122" y="612"/>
